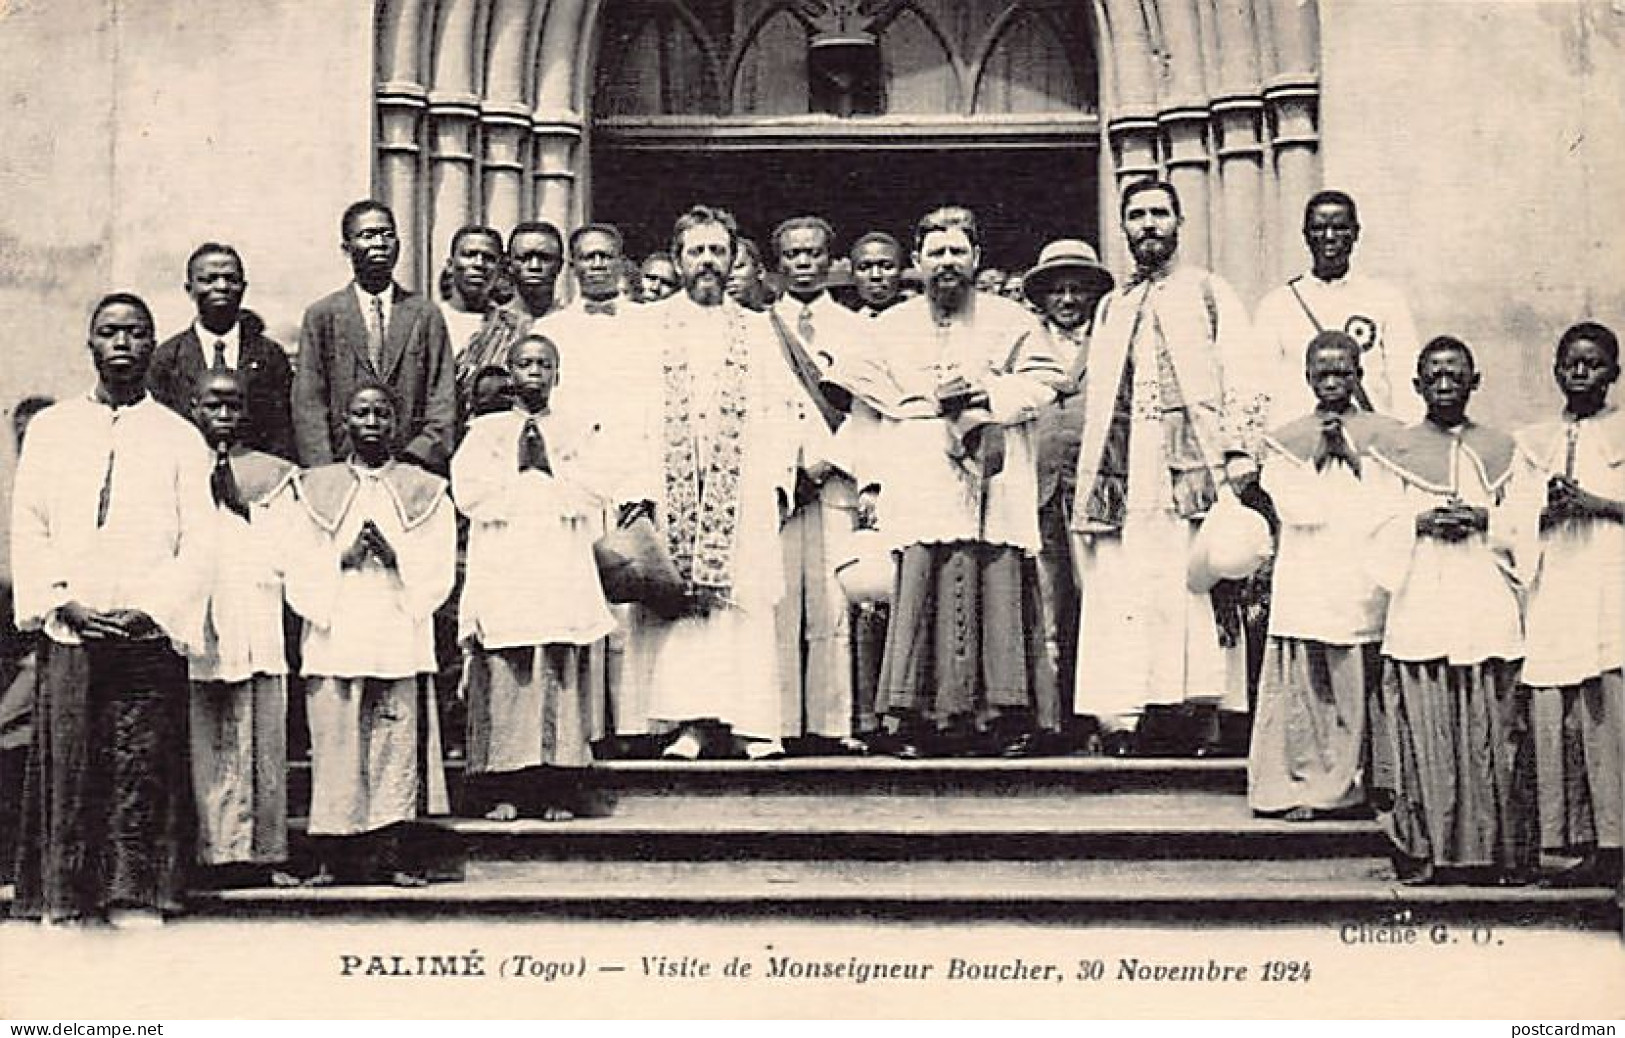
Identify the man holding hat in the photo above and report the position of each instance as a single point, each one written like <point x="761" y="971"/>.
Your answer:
<point x="1172" y="413"/>
<point x="1065" y="286"/>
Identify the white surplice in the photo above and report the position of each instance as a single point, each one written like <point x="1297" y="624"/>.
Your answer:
<point x="722" y="666"/>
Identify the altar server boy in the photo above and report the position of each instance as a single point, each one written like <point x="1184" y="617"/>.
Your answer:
<point x="531" y="481"/>
<point x="1575" y="625"/>
<point x="1322" y="662"/>
<point x="1451" y="757"/>
<point x="239" y="700"/>
<point x="373" y="557"/>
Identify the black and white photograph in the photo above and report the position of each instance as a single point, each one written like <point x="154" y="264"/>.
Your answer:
<point x="812" y="509"/>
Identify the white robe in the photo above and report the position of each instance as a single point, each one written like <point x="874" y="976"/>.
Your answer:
<point x="722" y="666"/>
<point x="1575" y="570"/>
<point x="926" y="497"/>
<point x="153" y="551"/>
<point x="531" y="579"/>
<point x="1375" y="313"/>
<point x="1144" y="637"/>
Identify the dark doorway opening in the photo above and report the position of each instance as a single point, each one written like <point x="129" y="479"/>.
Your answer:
<point x="1022" y="197"/>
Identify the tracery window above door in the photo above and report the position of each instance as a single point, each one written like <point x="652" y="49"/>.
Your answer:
<point x="782" y="58"/>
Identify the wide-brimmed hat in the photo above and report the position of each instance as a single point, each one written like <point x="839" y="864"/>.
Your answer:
<point x="1233" y="543"/>
<point x="1065" y="254"/>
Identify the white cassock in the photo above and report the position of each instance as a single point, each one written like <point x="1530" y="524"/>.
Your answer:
<point x="1372" y="312"/>
<point x="1144" y="637"/>
<point x="368" y="646"/>
<point x="814" y="617"/>
<point x="1574" y="634"/>
<point x="239" y="674"/>
<point x="607" y="367"/>
<point x="531" y="584"/>
<point x="721" y="666"/>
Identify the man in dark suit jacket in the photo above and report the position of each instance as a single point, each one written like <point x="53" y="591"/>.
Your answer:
<point x="373" y="330"/>
<point x="229" y="337"/>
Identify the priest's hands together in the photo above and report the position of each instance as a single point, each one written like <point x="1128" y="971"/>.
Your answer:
<point x="114" y="624"/>
<point x="1567" y="500"/>
<point x="369" y="542"/>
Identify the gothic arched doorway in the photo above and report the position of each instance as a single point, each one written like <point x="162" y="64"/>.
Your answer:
<point x="867" y="113"/>
<point x="490" y="109"/>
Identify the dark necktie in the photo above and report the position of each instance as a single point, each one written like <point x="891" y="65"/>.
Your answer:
<point x="605" y="307"/>
<point x="223" y="485"/>
<point x="220" y="356"/>
<point x="804" y="327"/>
<point x="375" y="335"/>
<point x="533" y="449"/>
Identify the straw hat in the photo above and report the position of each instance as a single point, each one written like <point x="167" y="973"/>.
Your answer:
<point x="1065" y="255"/>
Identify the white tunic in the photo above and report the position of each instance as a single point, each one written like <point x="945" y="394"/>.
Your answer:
<point x="531" y="579"/>
<point x="1322" y="589"/>
<point x="723" y="666"/>
<point x="1575" y="570"/>
<point x="1374" y="313"/>
<point x="243" y="634"/>
<point x="371" y="621"/>
<point x="1454" y="601"/>
<point x="928" y="498"/>
<point x="154" y="548"/>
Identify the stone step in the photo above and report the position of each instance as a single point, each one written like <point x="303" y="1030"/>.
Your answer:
<point x="881" y="827"/>
<point x="842" y="776"/>
<point x="1342" y="891"/>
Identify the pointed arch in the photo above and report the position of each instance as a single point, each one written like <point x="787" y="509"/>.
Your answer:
<point x="923" y="72"/>
<point x="1056" y="68"/>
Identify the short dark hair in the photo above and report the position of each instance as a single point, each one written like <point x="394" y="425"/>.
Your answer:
<point x="1445" y="344"/>
<point x="1332" y="339"/>
<point x="468" y="229"/>
<point x="664" y="256"/>
<point x="513" y="347"/>
<point x="492" y="371"/>
<point x="534" y="227"/>
<point x="803" y="223"/>
<point x="700" y="215"/>
<point x="1590" y="331"/>
<point x="609" y="230"/>
<point x="355" y="210"/>
<point x="749" y="247"/>
<point x="948" y="218"/>
<point x="214" y="248"/>
<point x="123" y="299"/>
<point x="1141" y="186"/>
<point x="1330" y="197"/>
<point x="381" y="386"/>
<point x="872" y="238"/>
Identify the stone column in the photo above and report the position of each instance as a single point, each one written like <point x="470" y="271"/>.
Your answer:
<point x="453" y="125"/>
<point x="1294" y="107"/>
<point x="556" y="142"/>
<point x="1244" y="246"/>
<point x="1186" y="131"/>
<point x="1134" y="150"/>
<point x="505" y="128"/>
<point x="400" y="108"/>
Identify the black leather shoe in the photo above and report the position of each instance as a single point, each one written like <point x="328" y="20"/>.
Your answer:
<point x="1119" y="744"/>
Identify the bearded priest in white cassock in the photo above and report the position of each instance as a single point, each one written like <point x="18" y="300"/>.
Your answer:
<point x="1172" y="411"/>
<point x="720" y="417"/>
<point x="957" y="378"/>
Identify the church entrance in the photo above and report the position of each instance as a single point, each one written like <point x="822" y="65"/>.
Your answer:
<point x="1021" y="197"/>
<point x="868" y="114"/>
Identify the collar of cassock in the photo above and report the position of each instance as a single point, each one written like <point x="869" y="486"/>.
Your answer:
<point x="328" y="491"/>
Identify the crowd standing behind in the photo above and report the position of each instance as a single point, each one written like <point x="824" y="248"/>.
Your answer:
<point x="757" y="500"/>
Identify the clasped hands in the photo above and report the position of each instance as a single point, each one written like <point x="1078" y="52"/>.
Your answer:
<point x="112" y="625"/>
<point x="1453" y="521"/>
<point x="956" y="396"/>
<point x="369" y="542"/>
<point x="1567" y="501"/>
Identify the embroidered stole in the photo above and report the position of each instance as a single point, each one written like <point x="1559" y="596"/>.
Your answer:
<point x="1190" y="477"/>
<point x="702" y="494"/>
